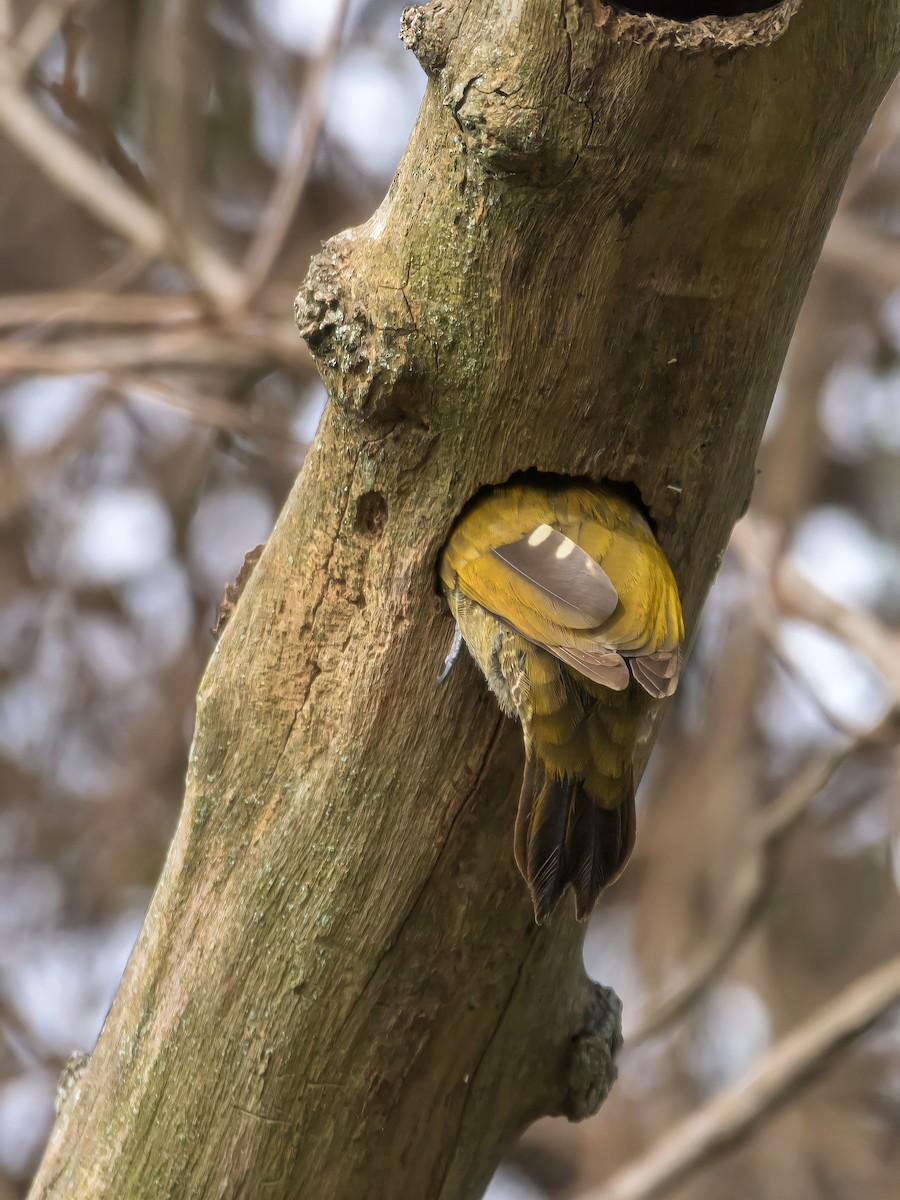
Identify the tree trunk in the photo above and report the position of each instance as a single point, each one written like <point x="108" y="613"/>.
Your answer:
<point x="589" y="263"/>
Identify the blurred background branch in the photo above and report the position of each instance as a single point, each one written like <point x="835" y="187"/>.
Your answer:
<point x="754" y="879"/>
<point x="168" y="170"/>
<point x="729" y="1117"/>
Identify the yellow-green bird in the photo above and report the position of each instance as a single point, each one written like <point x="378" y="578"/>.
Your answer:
<point x="570" y="609"/>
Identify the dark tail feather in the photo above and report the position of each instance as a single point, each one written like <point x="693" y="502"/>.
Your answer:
<point x="523" y="817"/>
<point x="599" y="842"/>
<point x="563" y="836"/>
<point x="543" y="819"/>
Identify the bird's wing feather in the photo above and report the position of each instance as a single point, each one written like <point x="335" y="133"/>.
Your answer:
<point x="657" y="673"/>
<point x="558" y="569"/>
<point x="602" y="665"/>
<point x="599" y="598"/>
<point x="543" y="584"/>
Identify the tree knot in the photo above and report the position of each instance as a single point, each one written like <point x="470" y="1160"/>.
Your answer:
<point x="363" y="337"/>
<point x="425" y="30"/>
<point x="591" y="1070"/>
<point x="507" y="133"/>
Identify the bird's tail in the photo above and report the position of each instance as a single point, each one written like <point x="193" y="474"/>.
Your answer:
<point x="564" y="836"/>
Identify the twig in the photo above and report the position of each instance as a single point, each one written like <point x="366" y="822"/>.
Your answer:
<point x="856" y="627"/>
<point x="731" y="1116"/>
<point x="187" y="402"/>
<point x="778" y="819"/>
<point x="102" y="194"/>
<point x="295" y="168"/>
<point x="851" y="247"/>
<point x="182" y="348"/>
<point x="39" y="29"/>
<point x="775" y="639"/>
<point x="754" y="881"/>
<point x="708" y="963"/>
<point x="21" y="476"/>
<point x="90" y="306"/>
<point x="213" y="412"/>
<point x="799" y="597"/>
<point x="97" y="308"/>
<point x="200" y="407"/>
<point x="66" y="164"/>
<point x="124" y="270"/>
<point x="96" y="132"/>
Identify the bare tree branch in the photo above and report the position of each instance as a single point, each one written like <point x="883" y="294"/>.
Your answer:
<point x="39" y="29"/>
<point x="295" y="167"/>
<point x="105" y="196"/>
<point x="731" y="1117"/>
<point x="754" y="880"/>
<point x="798" y="596"/>
<point x="190" y="347"/>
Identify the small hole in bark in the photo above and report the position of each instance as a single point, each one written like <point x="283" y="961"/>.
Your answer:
<point x="692" y="10"/>
<point x="371" y="513"/>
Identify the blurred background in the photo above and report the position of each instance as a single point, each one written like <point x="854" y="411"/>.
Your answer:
<point x="169" y="167"/>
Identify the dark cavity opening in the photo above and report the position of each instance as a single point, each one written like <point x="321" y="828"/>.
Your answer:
<point x="371" y="514"/>
<point x="628" y="491"/>
<point x="690" y="10"/>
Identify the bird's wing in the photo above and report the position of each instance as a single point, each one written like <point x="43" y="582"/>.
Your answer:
<point x="600" y="596"/>
<point x="647" y="628"/>
<point x="546" y="587"/>
<point x="602" y="665"/>
<point x="540" y="581"/>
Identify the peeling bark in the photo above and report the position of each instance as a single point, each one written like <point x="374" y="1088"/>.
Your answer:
<point x="589" y="263"/>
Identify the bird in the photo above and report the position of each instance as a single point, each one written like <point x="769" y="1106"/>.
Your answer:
<point x="570" y="609"/>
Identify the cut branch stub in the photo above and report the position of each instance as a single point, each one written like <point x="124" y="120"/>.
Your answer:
<point x="499" y="98"/>
<point x="592" y="1060"/>
<point x="512" y="105"/>
<point x="427" y="31"/>
<point x="371" y="366"/>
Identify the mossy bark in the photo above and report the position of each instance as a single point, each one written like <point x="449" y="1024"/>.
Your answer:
<point x="589" y="263"/>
